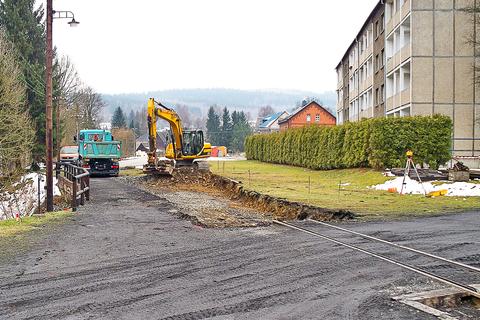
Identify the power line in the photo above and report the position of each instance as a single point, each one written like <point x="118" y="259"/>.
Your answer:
<point x="31" y="87"/>
<point x="33" y="72"/>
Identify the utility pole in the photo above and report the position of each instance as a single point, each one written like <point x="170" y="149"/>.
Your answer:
<point x="48" y="103"/>
<point x="57" y="129"/>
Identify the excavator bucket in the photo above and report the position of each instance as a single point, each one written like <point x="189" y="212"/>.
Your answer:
<point x="163" y="168"/>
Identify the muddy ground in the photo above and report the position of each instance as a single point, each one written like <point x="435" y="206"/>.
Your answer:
<point x="196" y="199"/>
<point x="214" y="201"/>
<point x="129" y="254"/>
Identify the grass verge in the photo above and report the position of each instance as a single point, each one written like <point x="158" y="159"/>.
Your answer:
<point x="338" y="189"/>
<point x="12" y="228"/>
<point x="131" y="172"/>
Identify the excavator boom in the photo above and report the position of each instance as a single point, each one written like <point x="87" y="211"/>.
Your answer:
<point x="185" y="148"/>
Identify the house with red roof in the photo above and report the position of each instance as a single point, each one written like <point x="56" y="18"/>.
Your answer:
<point x="309" y="114"/>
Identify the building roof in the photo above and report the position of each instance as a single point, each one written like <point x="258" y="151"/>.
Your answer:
<point x="267" y="121"/>
<point x="301" y="108"/>
<point x="379" y="3"/>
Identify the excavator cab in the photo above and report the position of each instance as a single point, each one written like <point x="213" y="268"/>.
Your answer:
<point x="193" y="142"/>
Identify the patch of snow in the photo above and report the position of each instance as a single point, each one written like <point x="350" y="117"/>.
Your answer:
<point x="25" y="200"/>
<point x="136" y="162"/>
<point x="456" y="189"/>
<point x="461" y="189"/>
<point x="227" y="158"/>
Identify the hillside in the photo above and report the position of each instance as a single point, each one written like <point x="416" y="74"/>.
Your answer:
<point x="198" y="100"/>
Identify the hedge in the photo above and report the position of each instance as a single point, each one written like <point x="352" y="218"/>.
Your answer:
<point x="377" y="143"/>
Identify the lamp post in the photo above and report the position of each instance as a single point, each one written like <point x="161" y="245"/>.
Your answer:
<point x="51" y="14"/>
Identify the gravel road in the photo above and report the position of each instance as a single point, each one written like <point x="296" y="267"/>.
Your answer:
<point x="128" y="255"/>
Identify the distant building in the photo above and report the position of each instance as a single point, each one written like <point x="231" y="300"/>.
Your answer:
<point x="142" y="143"/>
<point x="270" y="123"/>
<point x="105" y="125"/>
<point x="310" y="114"/>
<point x="413" y="57"/>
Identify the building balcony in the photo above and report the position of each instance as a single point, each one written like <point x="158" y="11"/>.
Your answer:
<point x="398" y="58"/>
<point x="398" y="17"/>
<point x="352" y="94"/>
<point x="339" y="85"/>
<point x="405" y="97"/>
<point x="364" y="85"/>
<point x="398" y="100"/>
<point x="366" y="113"/>
<point x="405" y="10"/>
<point x="366" y="54"/>
<point x="390" y="103"/>
<point x="392" y="23"/>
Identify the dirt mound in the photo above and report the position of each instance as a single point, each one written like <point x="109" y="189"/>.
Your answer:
<point x="277" y="208"/>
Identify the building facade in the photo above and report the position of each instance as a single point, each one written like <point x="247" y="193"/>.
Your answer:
<point x="310" y="114"/>
<point x="413" y="57"/>
<point x="270" y="123"/>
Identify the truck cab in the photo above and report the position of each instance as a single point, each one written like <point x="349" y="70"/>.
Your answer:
<point x="99" y="152"/>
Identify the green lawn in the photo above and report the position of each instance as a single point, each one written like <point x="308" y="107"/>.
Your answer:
<point x="337" y="189"/>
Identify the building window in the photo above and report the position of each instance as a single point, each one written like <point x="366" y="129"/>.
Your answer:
<point x="377" y="29"/>
<point x="382" y="93"/>
<point x="377" y="97"/>
<point x="317" y="118"/>
<point x="309" y="118"/>
<point x="382" y="23"/>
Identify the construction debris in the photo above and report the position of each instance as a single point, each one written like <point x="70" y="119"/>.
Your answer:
<point x="425" y="174"/>
<point x="459" y="172"/>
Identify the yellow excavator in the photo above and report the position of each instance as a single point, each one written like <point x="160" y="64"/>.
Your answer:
<point x="185" y="148"/>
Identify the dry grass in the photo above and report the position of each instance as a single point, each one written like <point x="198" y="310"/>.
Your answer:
<point x="131" y="172"/>
<point x="10" y="228"/>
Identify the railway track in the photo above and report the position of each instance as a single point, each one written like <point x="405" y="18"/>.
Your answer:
<point x="461" y="286"/>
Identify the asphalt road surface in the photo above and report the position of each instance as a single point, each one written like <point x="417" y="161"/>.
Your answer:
<point x="127" y="255"/>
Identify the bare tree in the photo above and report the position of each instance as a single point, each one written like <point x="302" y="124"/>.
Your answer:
<point x="90" y="106"/>
<point x="265" y="111"/>
<point x="184" y="114"/>
<point x="67" y="81"/>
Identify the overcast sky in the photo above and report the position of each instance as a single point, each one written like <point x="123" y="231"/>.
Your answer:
<point x="136" y="46"/>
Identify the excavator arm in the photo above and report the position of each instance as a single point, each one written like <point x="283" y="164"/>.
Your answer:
<point x="186" y="146"/>
<point x="173" y="119"/>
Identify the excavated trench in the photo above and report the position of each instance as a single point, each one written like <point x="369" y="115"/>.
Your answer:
<point x="215" y="201"/>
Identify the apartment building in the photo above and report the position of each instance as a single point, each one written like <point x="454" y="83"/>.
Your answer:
<point x="413" y="57"/>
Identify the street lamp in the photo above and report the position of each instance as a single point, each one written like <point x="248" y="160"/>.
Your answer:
<point x="51" y="14"/>
<point x="66" y="15"/>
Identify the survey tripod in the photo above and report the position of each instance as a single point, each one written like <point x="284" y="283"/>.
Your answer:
<point x="410" y="164"/>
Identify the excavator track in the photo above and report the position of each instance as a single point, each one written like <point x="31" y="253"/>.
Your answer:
<point x="167" y="167"/>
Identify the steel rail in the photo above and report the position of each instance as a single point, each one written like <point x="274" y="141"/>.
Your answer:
<point x="465" y="288"/>
<point x="398" y="246"/>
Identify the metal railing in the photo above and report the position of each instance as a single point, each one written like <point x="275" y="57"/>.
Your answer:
<point x="78" y="180"/>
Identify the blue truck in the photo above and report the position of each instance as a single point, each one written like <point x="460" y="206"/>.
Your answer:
<point x="99" y="152"/>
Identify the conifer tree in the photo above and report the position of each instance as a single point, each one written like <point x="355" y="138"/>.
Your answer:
<point x="23" y="24"/>
<point x="118" y="119"/>
<point x="213" y="127"/>
<point x="241" y="130"/>
<point x="226" y="129"/>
